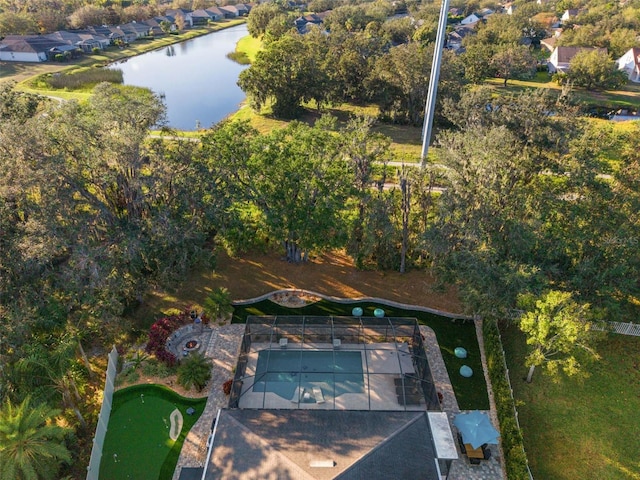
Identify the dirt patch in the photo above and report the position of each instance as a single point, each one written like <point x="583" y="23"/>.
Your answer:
<point x="332" y="274"/>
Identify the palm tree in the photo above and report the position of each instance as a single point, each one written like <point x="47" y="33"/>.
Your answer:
<point x="218" y="303"/>
<point x="49" y="373"/>
<point x="194" y="371"/>
<point x="31" y="446"/>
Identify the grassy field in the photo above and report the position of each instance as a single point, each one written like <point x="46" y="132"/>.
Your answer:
<point x="581" y="429"/>
<point x="406" y="141"/>
<point x="137" y="444"/>
<point x="249" y="46"/>
<point x="627" y="97"/>
<point x="471" y="393"/>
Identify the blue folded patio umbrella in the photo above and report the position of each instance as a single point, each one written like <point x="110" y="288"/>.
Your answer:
<point x="476" y="428"/>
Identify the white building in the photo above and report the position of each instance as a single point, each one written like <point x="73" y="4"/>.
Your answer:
<point x="630" y="64"/>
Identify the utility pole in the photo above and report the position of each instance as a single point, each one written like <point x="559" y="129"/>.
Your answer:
<point x="433" y="81"/>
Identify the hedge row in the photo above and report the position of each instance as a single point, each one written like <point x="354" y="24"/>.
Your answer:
<point x="512" y="442"/>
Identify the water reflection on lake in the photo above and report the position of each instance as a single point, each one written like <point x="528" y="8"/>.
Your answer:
<point x="195" y="77"/>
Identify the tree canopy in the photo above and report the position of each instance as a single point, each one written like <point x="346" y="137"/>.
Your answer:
<point x="559" y="332"/>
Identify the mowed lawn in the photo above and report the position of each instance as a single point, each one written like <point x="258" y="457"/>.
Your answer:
<point x="581" y="429"/>
<point x="137" y="444"/>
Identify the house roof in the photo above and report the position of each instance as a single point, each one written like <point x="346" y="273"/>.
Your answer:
<point x="107" y="31"/>
<point x="215" y="10"/>
<point x="549" y="43"/>
<point x="636" y="55"/>
<point x="253" y="444"/>
<point x="135" y="27"/>
<point x="64" y="36"/>
<point x="565" y="54"/>
<point x="229" y="8"/>
<point x="175" y="11"/>
<point x="29" y="43"/>
<point x="201" y="13"/>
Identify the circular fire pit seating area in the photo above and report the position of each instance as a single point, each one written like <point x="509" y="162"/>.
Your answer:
<point x="177" y="341"/>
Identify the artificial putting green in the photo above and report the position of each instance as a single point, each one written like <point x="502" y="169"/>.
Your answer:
<point x="138" y="443"/>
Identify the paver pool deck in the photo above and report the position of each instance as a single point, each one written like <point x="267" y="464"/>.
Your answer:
<point x="224" y="348"/>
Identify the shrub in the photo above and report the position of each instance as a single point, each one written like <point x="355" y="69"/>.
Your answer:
<point x="130" y="376"/>
<point x="194" y="371"/>
<point x="218" y="303"/>
<point x="162" y="329"/>
<point x="226" y="387"/>
<point x="155" y="368"/>
<point x="95" y="50"/>
<point x="240" y="58"/>
<point x="512" y="442"/>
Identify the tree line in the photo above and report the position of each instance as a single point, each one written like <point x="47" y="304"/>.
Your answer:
<point x="367" y="58"/>
<point x="361" y="54"/>
<point x="19" y="17"/>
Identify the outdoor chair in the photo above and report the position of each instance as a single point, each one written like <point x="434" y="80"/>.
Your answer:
<point x="317" y="392"/>
<point x="487" y="453"/>
<point x="407" y="390"/>
<point x="297" y="394"/>
<point x="409" y="399"/>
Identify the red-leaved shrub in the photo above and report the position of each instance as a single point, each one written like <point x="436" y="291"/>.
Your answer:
<point x="162" y="329"/>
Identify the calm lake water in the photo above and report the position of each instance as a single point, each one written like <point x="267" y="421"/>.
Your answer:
<point x="196" y="78"/>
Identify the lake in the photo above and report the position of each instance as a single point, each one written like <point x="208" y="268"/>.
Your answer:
<point x="195" y="77"/>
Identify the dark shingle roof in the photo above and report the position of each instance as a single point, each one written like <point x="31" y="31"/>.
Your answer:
<point x="253" y="444"/>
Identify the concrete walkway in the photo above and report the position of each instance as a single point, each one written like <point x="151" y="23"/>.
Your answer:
<point x="223" y="349"/>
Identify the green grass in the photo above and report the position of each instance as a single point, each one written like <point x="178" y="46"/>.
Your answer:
<point x="471" y="393"/>
<point x="406" y="141"/>
<point x="139" y="433"/>
<point x="627" y="97"/>
<point x="249" y="46"/>
<point x="581" y="429"/>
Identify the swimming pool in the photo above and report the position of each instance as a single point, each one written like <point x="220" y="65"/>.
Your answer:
<point x="335" y="372"/>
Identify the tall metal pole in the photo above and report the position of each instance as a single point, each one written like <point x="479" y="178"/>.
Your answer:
<point x="433" y="80"/>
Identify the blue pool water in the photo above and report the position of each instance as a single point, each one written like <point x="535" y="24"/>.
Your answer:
<point x="337" y="372"/>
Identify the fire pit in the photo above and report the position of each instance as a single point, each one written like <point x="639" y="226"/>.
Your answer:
<point x="191" y="345"/>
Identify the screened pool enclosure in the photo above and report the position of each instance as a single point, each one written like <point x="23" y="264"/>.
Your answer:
<point x="342" y="363"/>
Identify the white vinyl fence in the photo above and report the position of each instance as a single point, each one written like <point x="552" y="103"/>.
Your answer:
<point x="93" y="470"/>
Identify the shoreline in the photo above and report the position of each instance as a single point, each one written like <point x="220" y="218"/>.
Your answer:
<point x="232" y="23"/>
<point x="25" y="73"/>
